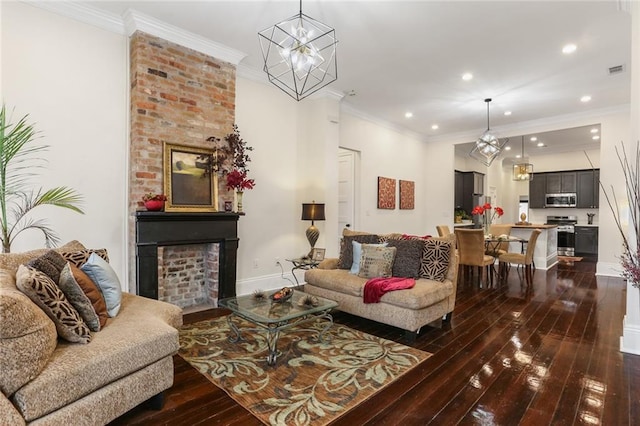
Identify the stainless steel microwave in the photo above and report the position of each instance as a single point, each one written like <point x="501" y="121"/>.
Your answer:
<point x="560" y="200"/>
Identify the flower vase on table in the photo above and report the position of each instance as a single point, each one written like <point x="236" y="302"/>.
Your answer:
<point x="238" y="181"/>
<point x="487" y="216"/>
<point x="239" y="201"/>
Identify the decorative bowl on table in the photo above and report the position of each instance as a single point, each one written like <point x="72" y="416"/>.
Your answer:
<point x="154" y="205"/>
<point x="282" y="295"/>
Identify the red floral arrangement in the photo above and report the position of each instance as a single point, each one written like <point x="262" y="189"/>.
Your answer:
<point x="154" y="197"/>
<point x="238" y="180"/>
<point x="486" y="207"/>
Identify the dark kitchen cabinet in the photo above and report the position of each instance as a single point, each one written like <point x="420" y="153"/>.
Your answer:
<point x="588" y="189"/>
<point x="537" y="190"/>
<point x="459" y="190"/>
<point x="586" y="239"/>
<point x="561" y="182"/>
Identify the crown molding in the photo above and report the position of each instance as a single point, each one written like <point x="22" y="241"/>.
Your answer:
<point x="260" y="76"/>
<point x="133" y="21"/>
<point x="83" y="13"/>
<point x="349" y="109"/>
<point x="524" y="127"/>
<point x="137" y="21"/>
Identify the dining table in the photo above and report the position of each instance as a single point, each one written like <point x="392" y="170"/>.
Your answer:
<point x="492" y="246"/>
<point x="492" y="243"/>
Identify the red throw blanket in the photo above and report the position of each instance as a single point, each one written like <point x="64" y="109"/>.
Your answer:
<point x="376" y="287"/>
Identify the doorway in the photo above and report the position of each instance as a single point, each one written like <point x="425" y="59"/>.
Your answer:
<point x="347" y="167"/>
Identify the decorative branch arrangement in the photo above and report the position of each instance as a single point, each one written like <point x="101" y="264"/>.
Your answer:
<point x="630" y="258"/>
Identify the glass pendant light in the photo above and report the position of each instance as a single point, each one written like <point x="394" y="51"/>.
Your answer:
<point x="487" y="146"/>
<point x="299" y="55"/>
<point x="522" y="171"/>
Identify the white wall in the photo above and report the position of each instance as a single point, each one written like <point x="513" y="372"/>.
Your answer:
<point x="388" y="153"/>
<point x="71" y="78"/>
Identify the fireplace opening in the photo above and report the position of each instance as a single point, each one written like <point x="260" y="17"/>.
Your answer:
<point x="188" y="275"/>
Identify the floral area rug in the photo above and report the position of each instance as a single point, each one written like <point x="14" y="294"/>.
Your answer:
<point x="312" y="383"/>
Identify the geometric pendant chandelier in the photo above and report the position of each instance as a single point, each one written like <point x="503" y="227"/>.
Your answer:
<point x="299" y="55"/>
<point x="488" y="146"/>
<point x="523" y="171"/>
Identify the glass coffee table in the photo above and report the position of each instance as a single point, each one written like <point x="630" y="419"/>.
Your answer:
<point x="273" y="317"/>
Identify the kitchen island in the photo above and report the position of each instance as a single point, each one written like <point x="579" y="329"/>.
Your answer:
<point x="545" y="255"/>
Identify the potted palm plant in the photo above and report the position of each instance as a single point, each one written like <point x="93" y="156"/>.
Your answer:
<point x="18" y="198"/>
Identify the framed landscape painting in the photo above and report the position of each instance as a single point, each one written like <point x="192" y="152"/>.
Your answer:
<point x="189" y="183"/>
<point x="386" y="193"/>
<point x="407" y="194"/>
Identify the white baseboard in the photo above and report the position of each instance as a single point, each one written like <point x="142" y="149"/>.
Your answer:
<point x="266" y="283"/>
<point x="630" y="339"/>
<point x="608" y="269"/>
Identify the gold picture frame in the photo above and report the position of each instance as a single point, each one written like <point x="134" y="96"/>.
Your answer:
<point x="317" y="254"/>
<point x="190" y="182"/>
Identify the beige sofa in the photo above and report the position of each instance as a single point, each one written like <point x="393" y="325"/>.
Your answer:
<point x="409" y="309"/>
<point x="126" y="363"/>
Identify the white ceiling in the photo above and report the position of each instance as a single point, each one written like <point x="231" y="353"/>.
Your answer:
<point x="400" y="56"/>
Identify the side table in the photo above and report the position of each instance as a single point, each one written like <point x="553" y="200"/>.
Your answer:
<point x="303" y="263"/>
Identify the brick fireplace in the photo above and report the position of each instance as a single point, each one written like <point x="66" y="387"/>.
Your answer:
<point x="179" y="96"/>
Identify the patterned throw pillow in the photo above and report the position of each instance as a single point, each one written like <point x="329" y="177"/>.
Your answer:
<point x="357" y="256"/>
<point x="346" y="248"/>
<point x="80" y="257"/>
<point x="78" y="299"/>
<point x="376" y="261"/>
<point x="51" y="263"/>
<point x="46" y="294"/>
<point x="408" y="257"/>
<point x="435" y="259"/>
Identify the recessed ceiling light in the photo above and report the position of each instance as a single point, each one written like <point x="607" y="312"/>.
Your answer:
<point x="467" y="76"/>
<point x="507" y="113"/>
<point x="533" y="138"/>
<point x="569" y="48"/>
<point x="595" y="138"/>
<point x="540" y="144"/>
<point x="594" y="130"/>
<point x="435" y="126"/>
<point x="507" y="148"/>
<point x="408" y="114"/>
<point x="518" y="156"/>
<point x="585" y="98"/>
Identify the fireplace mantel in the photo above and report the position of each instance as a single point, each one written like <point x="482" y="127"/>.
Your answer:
<point x="154" y="229"/>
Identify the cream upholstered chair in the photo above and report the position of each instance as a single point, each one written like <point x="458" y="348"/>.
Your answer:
<point x="519" y="259"/>
<point x="498" y="230"/>
<point x="471" y="253"/>
<point x="443" y="230"/>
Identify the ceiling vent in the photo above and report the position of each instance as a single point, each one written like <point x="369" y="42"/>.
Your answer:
<point x="615" y="70"/>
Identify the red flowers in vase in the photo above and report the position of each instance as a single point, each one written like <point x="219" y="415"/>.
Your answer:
<point x="486" y="208"/>
<point x="238" y="180"/>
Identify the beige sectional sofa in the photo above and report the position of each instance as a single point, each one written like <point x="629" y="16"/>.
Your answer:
<point x="409" y="309"/>
<point x="49" y="381"/>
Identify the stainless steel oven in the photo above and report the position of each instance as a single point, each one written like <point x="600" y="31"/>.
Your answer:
<point x="566" y="233"/>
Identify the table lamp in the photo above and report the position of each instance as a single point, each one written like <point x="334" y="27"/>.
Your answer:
<point x="312" y="211"/>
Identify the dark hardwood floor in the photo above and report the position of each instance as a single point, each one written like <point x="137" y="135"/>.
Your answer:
<point x="508" y="357"/>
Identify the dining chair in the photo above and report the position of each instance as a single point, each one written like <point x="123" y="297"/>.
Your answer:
<point x="497" y="230"/>
<point x="443" y="230"/>
<point x="471" y="254"/>
<point x="520" y="259"/>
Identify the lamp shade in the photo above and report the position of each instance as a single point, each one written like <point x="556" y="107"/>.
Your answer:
<point x="312" y="211"/>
